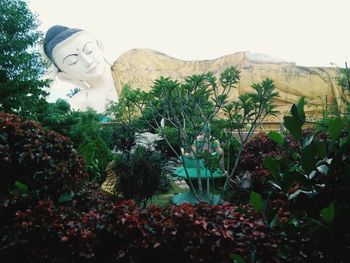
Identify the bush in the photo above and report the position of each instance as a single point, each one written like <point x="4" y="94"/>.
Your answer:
<point x="38" y="163"/>
<point x="139" y="174"/>
<point x="103" y="231"/>
<point x="54" y="216"/>
<point x="97" y="156"/>
<point x="172" y="136"/>
<point x="255" y="150"/>
<point x="124" y="136"/>
<point x="312" y="188"/>
<point x="230" y="151"/>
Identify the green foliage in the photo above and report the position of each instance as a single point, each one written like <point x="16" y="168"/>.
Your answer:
<point x="21" y="68"/>
<point x="257" y="202"/>
<point x="85" y="130"/>
<point x="174" y="102"/>
<point x="127" y="118"/>
<point x="139" y="172"/>
<point x="314" y="179"/>
<point x="343" y="81"/>
<point x="172" y="135"/>
<point x="295" y="122"/>
<point x="276" y="137"/>
<point x="67" y="197"/>
<point x="87" y="126"/>
<point x="273" y="165"/>
<point x="248" y="112"/>
<point x="328" y="213"/>
<point x="59" y="117"/>
<point x="336" y="126"/>
<point x="72" y="92"/>
<point x="230" y="147"/>
<point x="96" y="155"/>
<point x="237" y="258"/>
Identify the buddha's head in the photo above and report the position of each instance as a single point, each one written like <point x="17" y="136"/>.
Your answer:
<point x="75" y="53"/>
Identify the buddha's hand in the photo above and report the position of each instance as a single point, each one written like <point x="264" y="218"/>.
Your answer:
<point x="54" y="72"/>
<point x="76" y="82"/>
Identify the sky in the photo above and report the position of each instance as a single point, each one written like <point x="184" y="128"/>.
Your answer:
<point x="307" y="32"/>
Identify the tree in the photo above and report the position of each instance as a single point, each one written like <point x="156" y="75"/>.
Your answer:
<point x="21" y="67"/>
<point x="59" y="117"/>
<point x="343" y="81"/>
<point x="246" y="114"/>
<point x="195" y="103"/>
<point x="190" y="106"/>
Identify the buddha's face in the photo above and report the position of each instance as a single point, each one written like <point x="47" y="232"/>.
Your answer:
<point x="80" y="57"/>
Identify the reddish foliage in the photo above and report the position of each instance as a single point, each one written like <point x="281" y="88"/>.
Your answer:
<point x="253" y="154"/>
<point x="42" y="160"/>
<point x="255" y="150"/>
<point x="89" y="227"/>
<point x="122" y="232"/>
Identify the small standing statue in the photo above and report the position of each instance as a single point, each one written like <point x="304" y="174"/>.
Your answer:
<point x="206" y="143"/>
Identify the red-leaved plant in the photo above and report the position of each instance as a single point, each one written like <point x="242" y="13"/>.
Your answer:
<point x="37" y="163"/>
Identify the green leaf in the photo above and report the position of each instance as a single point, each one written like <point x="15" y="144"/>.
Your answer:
<point x="276" y="137"/>
<point x="257" y="202"/>
<point x="273" y="165"/>
<point x="22" y="188"/>
<point x="275" y="185"/>
<point x="294" y="112"/>
<point x="294" y="126"/>
<point x="66" y="197"/>
<point x="328" y="213"/>
<point x="293" y="195"/>
<point x="308" y="140"/>
<point x="274" y="222"/>
<point x="308" y="158"/>
<point x="237" y="258"/>
<point x="335" y="127"/>
<point x="321" y="150"/>
<point x="300" y="106"/>
<point x="323" y="169"/>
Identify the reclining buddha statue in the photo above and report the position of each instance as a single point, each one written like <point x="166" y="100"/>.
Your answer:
<point x="80" y="60"/>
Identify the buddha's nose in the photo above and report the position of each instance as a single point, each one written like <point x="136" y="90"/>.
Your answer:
<point x="86" y="58"/>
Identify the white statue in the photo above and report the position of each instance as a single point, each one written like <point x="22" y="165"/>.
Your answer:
<point x="80" y="61"/>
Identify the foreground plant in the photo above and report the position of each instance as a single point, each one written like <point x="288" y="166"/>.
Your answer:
<point x="310" y="187"/>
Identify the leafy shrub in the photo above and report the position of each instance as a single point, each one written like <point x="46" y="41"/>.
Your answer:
<point x="59" y="117"/>
<point x="124" y="136"/>
<point x="313" y="181"/>
<point x="164" y="182"/>
<point x="258" y="148"/>
<point x="255" y="149"/>
<point x="45" y="224"/>
<point x="172" y="136"/>
<point x="93" y="229"/>
<point x="139" y="174"/>
<point x="230" y="151"/>
<point x="87" y="126"/>
<point x="35" y="162"/>
<point x="96" y="155"/>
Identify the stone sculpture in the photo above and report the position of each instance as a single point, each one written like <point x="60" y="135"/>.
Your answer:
<point x="80" y="60"/>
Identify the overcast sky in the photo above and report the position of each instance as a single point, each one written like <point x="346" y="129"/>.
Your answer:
<point x="308" y="32"/>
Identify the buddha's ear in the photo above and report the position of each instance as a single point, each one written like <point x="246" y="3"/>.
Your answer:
<point x="101" y="45"/>
<point x="66" y="78"/>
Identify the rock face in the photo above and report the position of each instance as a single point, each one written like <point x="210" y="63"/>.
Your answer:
<point x="140" y="67"/>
